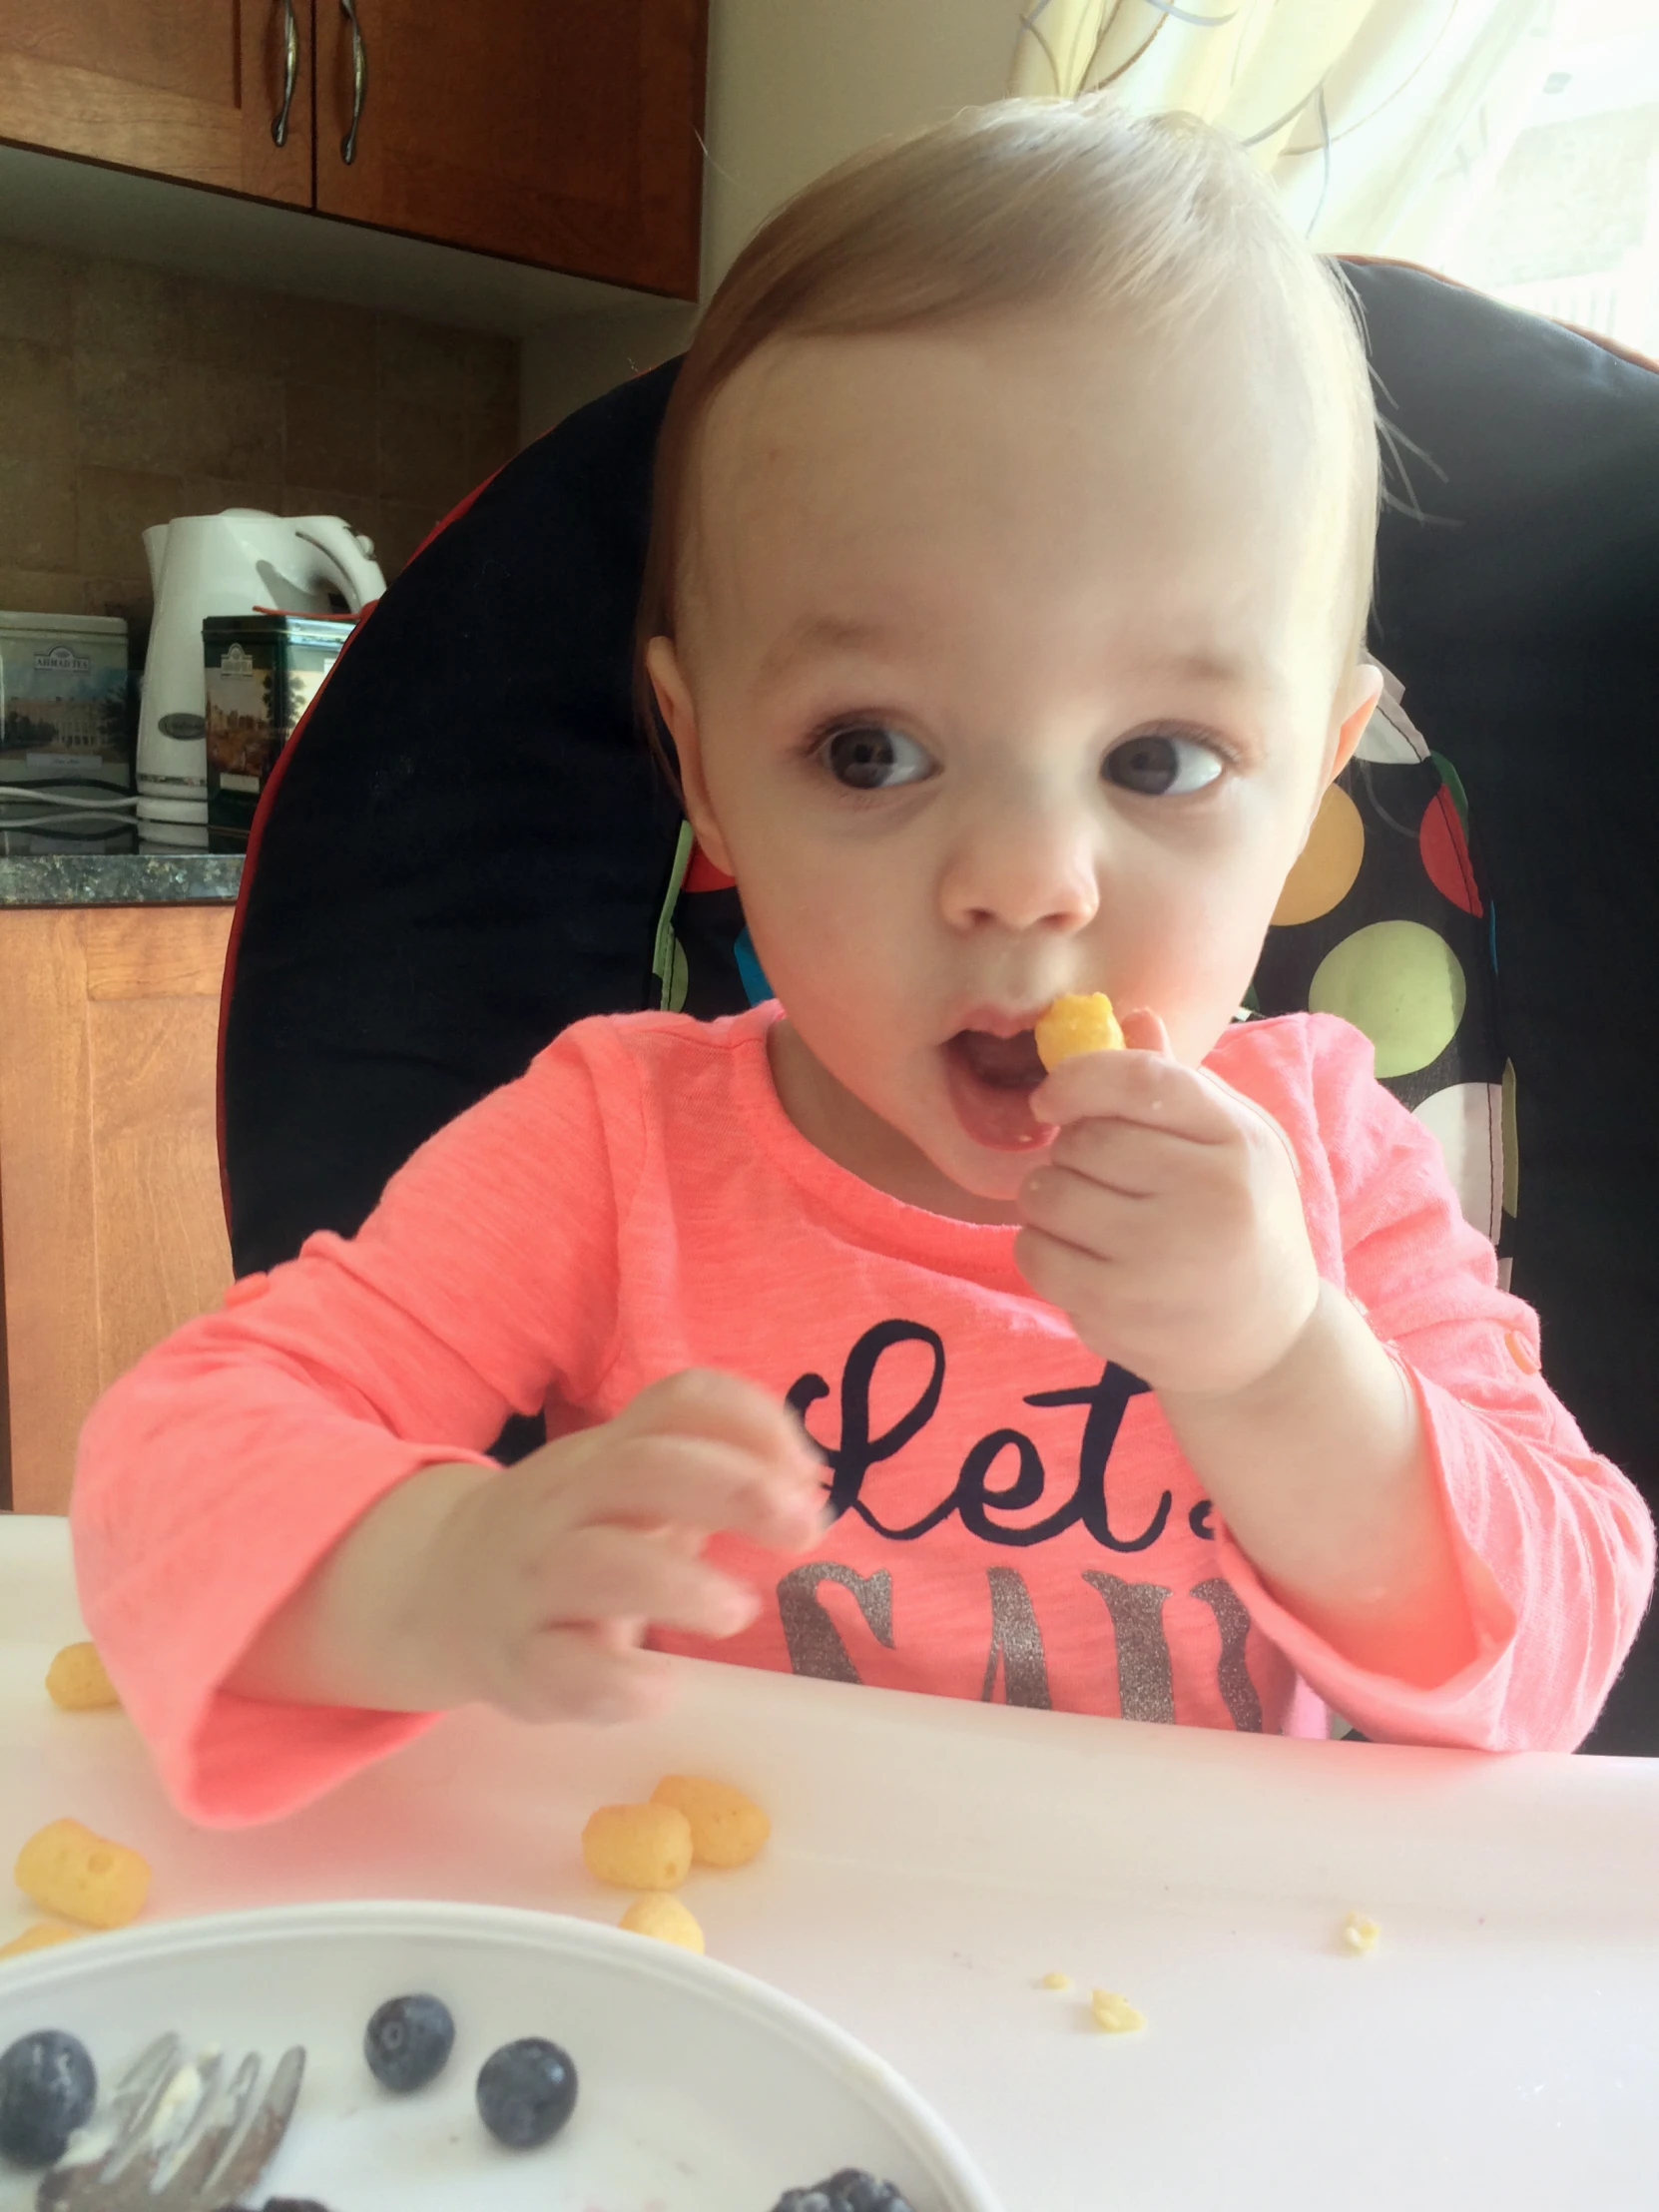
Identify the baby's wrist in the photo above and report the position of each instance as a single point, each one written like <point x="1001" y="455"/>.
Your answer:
<point x="412" y="1587"/>
<point x="1282" y="1374"/>
<point x="362" y="1628"/>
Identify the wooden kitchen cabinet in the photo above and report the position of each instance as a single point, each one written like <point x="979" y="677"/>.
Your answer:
<point x="187" y="89"/>
<point x="112" y="1230"/>
<point x="550" y="131"/>
<point x="554" y="132"/>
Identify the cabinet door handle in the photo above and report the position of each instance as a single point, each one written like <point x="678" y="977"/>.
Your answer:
<point x="290" y="73"/>
<point x="359" y="80"/>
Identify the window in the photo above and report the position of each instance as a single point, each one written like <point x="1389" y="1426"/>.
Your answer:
<point x="1569" y="225"/>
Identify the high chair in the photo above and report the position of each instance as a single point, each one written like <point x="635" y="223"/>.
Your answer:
<point x="467" y="846"/>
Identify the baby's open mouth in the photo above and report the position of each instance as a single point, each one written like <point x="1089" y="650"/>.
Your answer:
<point x="1006" y="1063"/>
<point x="990" y="1080"/>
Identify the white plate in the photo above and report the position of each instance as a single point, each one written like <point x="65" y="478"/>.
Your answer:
<point x="701" y="2090"/>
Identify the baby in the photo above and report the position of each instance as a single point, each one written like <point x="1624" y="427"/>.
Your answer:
<point x="1005" y="606"/>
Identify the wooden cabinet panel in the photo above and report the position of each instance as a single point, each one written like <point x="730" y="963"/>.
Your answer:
<point x="557" y="132"/>
<point x="180" y="88"/>
<point x="560" y="133"/>
<point x="110" y="1225"/>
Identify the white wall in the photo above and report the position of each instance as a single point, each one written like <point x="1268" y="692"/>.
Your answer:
<point x="793" y="86"/>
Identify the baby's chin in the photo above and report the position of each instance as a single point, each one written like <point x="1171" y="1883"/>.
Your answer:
<point x="994" y="1178"/>
<point x="990" y="1173"/>
<point x="906" y="1126"/>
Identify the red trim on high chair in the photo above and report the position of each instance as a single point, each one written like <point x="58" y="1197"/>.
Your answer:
<point x="703" y="875"/>
<point x="256" y="838"/>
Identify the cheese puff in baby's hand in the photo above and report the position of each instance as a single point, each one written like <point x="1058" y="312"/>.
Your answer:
<point x="1077" y="1022"/>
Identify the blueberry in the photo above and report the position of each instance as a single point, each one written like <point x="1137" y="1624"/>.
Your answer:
<point x="408" y="2042"/>
<point x="526" y="2092"/>
<point x="48" y="2087"/>
<point x="851" y="2190"/>
<point x="282" y="2204"/>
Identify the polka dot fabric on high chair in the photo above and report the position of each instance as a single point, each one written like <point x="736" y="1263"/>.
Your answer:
<point x="1383" y="923"/>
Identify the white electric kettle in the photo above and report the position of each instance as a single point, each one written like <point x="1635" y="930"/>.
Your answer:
<point x="228" y="564"/>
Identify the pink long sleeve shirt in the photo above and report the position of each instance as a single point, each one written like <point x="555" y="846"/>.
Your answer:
<point x="1015" y="1521"/>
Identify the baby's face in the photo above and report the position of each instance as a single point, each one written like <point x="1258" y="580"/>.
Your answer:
<point x="1007" y="668"/>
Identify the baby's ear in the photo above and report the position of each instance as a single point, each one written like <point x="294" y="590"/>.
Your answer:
<point x="673" y="703"/>
<point x="668" y="681"/>
<point x="1365" y="689"/>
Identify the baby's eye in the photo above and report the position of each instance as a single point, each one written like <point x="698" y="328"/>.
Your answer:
<point x="869" y="757"/>
<point x="1161" y="765"/>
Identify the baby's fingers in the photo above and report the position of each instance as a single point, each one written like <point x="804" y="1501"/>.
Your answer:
<point x="572" y="1673"/>
<point x="693" y="1484"/>
<point x="606" y="1573"/>
<point x="1144" y="1031"/>
<point x="1074" y="1281"/>
<point x="723" y="1409"/>
<point x="1134" y="1086"/>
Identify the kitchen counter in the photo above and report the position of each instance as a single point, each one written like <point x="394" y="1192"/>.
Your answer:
<point x="110" y="868"/>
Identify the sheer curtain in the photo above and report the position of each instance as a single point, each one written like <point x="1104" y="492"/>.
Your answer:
<point x="1381" y="120"/>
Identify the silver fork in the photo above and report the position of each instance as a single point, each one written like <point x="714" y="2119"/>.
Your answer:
<point x="175" y="2140"/>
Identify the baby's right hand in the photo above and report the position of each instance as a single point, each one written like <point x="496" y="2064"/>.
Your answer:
<point x="535" y="1589"/>
<point x="532" y="1587"/>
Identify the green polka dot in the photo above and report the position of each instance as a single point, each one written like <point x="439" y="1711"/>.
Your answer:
<point x="1399" y="984"/>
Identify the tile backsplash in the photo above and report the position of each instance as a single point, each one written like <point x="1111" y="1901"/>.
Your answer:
<point x="129" y="396"/>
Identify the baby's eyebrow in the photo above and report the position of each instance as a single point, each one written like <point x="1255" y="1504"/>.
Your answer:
<point x="1218" y="665"/>
<point x="810" y="633"/>
<point x="829" y="633"/>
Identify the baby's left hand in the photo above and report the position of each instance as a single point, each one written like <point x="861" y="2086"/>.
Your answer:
<point x="1167" y="1223"/>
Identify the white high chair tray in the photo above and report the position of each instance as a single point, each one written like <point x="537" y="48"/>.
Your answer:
<point x="931" y="1861"/>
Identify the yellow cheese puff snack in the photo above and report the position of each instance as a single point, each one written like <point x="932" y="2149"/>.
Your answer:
<point x="63" y="1868"/>
<point x="1361" y="1933"/>
<point x="75" y="1680"/>
<point x="38" y="1938"/>
<point x="727" y="1828"/>
<point x="666" y="1919"/>
<point x="1115" y="2016"/>
<point x="638" y="1846"/>
<point x="1077" y="1022"/>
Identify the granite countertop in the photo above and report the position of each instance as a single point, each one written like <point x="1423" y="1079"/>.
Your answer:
<point x="106" y="865"/>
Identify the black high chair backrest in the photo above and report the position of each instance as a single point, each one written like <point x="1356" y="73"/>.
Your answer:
<point x="469" y="846"/>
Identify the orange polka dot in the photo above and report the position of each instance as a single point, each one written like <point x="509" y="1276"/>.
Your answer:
<point x="1522" y="1352"/>
<point x="1329" y="863"/>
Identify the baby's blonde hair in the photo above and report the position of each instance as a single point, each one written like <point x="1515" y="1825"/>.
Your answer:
<point x="1024" y="205"/>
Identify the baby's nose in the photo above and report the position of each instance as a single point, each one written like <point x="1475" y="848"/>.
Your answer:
<point x="1022" y="868"/>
